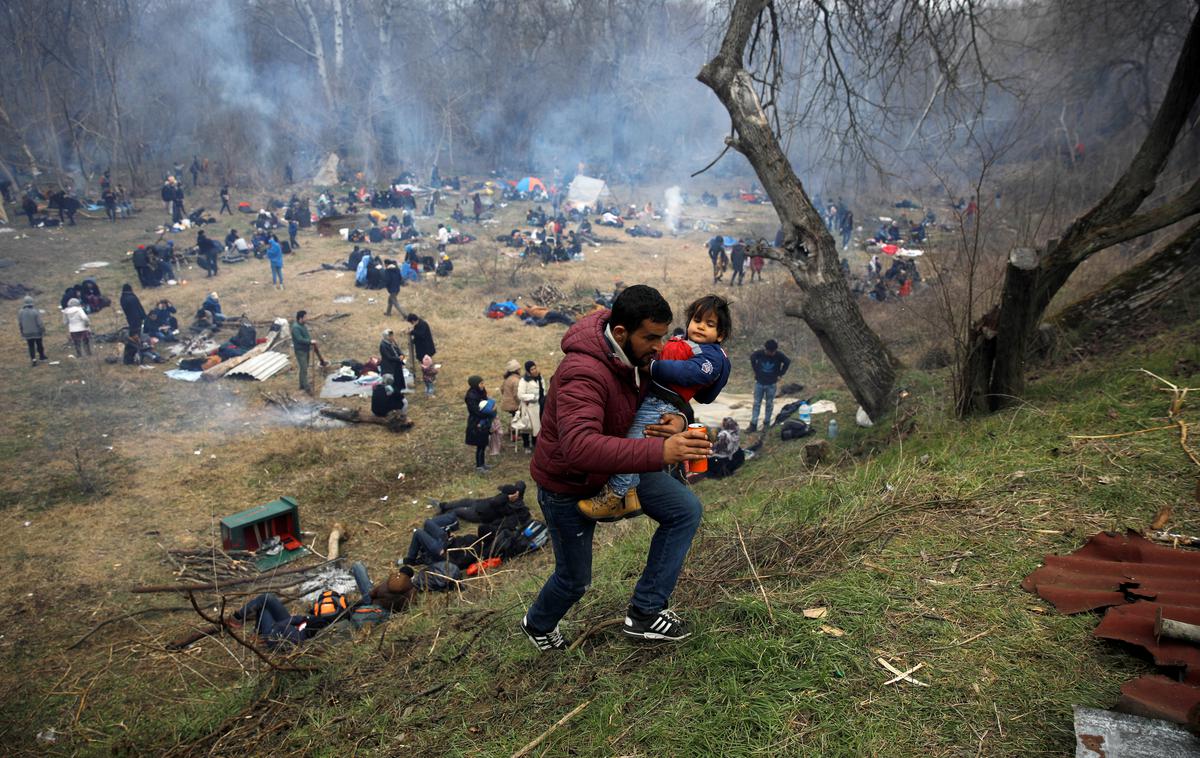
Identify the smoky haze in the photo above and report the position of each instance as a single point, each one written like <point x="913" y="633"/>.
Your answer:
<point x="137" y="86"/>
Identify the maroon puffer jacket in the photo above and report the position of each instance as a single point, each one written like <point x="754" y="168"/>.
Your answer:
<point x="591" y="403"/>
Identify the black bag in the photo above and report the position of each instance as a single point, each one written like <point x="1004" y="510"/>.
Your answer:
<point x="437" y="577"/>
<point x="794" y="430"/>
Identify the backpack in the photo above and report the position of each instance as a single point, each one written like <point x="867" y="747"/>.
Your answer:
<point x="363" y="615"/>
<point x="537" y="534"/>
<point x="794" y="429"/>
<point x="437" y="577"/>
<point x="329" y="604"/>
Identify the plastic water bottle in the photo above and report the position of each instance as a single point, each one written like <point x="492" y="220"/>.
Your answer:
<point x="833" y="429"/>
<point x="805" y="412"/>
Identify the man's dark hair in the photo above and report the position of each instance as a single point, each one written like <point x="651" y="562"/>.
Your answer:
<point x="301" y="314"/>
<point x="638" y="303"/>
<point x="771" y="346"/>
<point x="718" y="307"/>
<point x="413" y="318"/>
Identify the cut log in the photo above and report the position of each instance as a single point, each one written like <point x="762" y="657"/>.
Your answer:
<point x="394" y="421"/>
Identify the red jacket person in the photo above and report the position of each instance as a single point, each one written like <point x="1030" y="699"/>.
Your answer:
<point x="591" y="403"/>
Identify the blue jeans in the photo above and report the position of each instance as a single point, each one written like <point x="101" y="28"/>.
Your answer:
<point x="429" y="542"/>
<point x="763" y="392"/>
<point x="650" y="412"/>
<point x="359" y="571"/>
<point x="274" y="623"/>
<point x="276" y="274"/>
<point x="665" y="500"/>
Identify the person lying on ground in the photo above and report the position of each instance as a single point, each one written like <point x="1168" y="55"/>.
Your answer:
<point x="279" y="628"/>
<point x="430" y="542"/>
<point x="509" y="499"/>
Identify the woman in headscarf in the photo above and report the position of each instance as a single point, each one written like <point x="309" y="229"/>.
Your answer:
<point x="508" y="390"/>
<point x="727" y="455"/>
<point x="479" y="420"/>
<point x="391" y="358"/>
<point x="532" y="395"/>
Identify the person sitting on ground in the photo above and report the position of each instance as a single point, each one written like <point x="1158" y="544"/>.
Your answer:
<point x="161" y="323"/>
<point x="727" y="455"/>
<point x="212" y="304"/>
<point x="697" y="367"/>
<point x="387" y="398"/>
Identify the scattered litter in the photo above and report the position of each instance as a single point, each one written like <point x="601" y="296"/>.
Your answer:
<point x="54" y="363"/>
<point x="184" y="376"/>
<point x="816" y="613"/>
<point x="832" y="631"/>
<point x="344" y="299"/>
<point x="1143" y="586"/>
<point x="93" y="264"/>
<point x="1108" y="733"/>
<point x="901" y="676"/>
<point x="28" y="523"/>
<point x="385" y="497"/>
<point x="400" y="476"/>
<point x="196" y="452"/>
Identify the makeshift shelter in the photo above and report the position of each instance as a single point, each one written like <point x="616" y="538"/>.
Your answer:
<point x="587" y="190"/>
<point x="530" y="184"/>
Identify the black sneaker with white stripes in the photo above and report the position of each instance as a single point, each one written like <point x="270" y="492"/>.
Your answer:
<point x="551" y="640"/>
<point x="664" y="625"/>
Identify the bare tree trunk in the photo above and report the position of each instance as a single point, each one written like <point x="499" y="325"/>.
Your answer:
<point x="994" y="373"/>
<point x="1173" y="270"/>
<point x="318" y="49"/>
<point x="33" y="164"/>
<point x="810" y="254"/>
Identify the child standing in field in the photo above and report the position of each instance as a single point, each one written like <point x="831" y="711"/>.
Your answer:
<point x="429" y="372"/>
<point x="692" y="367"/>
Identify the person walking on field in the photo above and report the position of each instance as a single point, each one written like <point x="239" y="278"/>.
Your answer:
<point x="33" y="329"/>
<point x="302" y="345"/>
<point x="225" y="201"/>
<point x="393" y="280"/>
<point x="769" y="364"/>
<point x="596" y="392"/>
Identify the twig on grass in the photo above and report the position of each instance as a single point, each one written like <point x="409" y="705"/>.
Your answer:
<point x="594" y="628"/>
<point x="901" y="675"/>
<point x="222" y="622"/>
<point x="123" y="616"/>
<point x="753" y="570"/>
<point x="538" y="740"/>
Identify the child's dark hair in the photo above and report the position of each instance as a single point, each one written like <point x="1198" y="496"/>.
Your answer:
<point x="719" y="307"/>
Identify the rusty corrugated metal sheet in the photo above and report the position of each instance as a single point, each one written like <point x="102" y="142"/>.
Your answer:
<point x="260" y="367"/>
<point x="1135" y="580"/>
<point x="1160" y="697"/>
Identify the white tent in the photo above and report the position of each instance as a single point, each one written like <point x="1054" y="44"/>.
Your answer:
<point x="586" y="190"/>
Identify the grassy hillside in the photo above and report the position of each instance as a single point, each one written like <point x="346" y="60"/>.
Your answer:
<point x="914" y="538"/>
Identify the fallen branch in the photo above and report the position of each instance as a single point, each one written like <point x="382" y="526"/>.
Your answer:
<point x="538" y="740"/>
<point x="142" y="589"/>
<point x="595" y="628"/>
<point x="224" y="624"/>
<point x="122" y="617"/>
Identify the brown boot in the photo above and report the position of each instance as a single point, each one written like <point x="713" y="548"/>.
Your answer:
<point x="610" y="506"/>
